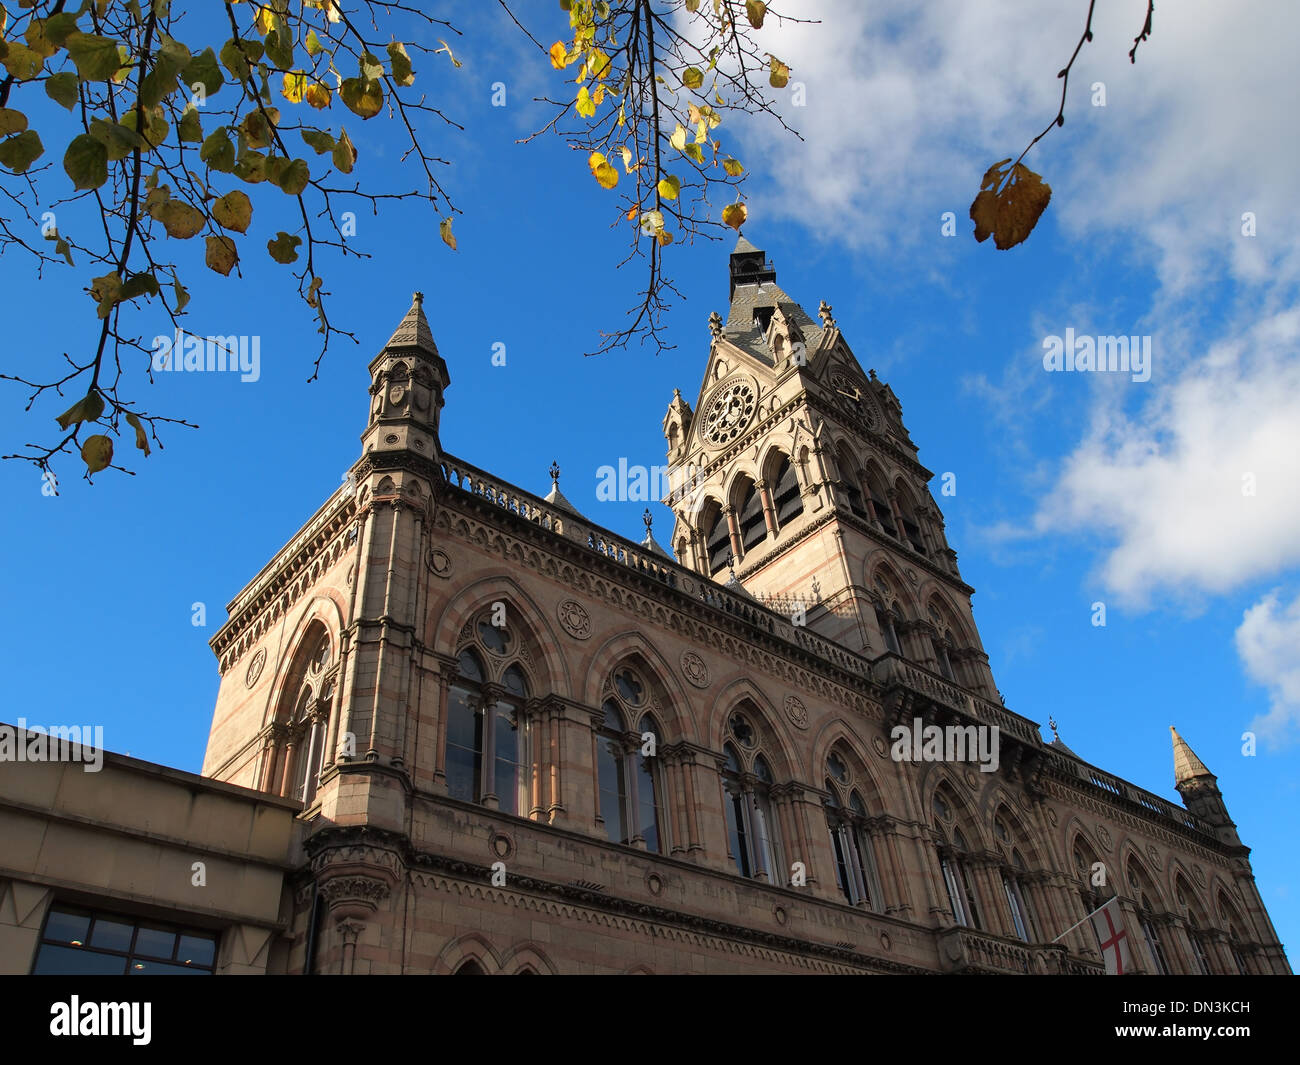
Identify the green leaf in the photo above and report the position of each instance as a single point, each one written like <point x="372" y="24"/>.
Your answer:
<point x="86" y="409"/>
<point x="233" y="211"/>
<point x="153" y="130"/>
<point x="97" y="453"/>
<point x="96" y="58"/>
<point x="203" y="70"/>
<point x="62" y="89"/>
<point x="251" y="167"/>
<point x="293" y="176"/>
<point x="755" y="10"/>
<point x="141" y="438"/>
<point x="180" y="219"/>
<point x="669" y="187"/>
<point x="139" y="285"/>
<point x="170" y="59"/>
<point x="118" y="140"/>
<point x="284" y="248"/>
<point x="692" y="77"/>
<point x="106" y="291"/>
<point x="318" y="139"/>
<point x="279" y="48"/>
<point x="62" y="247"/>
<point x="86" y="162"/>
<point x="733" y="166"/>
<point x="585" y="105"/>
<point x="190" y="129"/>
<point x="218" y="151"/>
<point x="344" y="154"/>
<point x="365" y="98"/>
<point x="220" y="255"/>
<point x="18" y="153"/>
<point x="401" y="62"/>
<point x="235" y="61"/>
<point x="371" y="68"/>
<point x="314" y="47"/>
<point x="11" y="121"/>
<point x="21" y="62"/>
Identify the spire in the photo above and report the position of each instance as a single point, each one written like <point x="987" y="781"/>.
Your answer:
<point x="413" y="331"/>
<point x="649" y="542"/>
<point x="1187" y="766"/>
<point x="742" y="245"/>
<point x="555" y="497"/>
<point x="749" y="266"/>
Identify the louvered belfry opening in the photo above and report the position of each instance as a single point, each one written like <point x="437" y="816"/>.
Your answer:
<point x="786" y="498"/>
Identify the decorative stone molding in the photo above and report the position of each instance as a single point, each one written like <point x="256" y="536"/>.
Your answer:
<point x="574" y="619"/>
<point x="353" y="896"/>
<point x="796" y="711"/>
<point x="694" y="669"/>
<point x="440" y="563"/>
<point x="255" y="667"/>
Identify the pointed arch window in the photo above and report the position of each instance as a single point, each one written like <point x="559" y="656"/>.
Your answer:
<point x="309" y="724"/>
<point x="880" y="506"/>
<point x="753" y="526"/>
<point x="751" y="823"/>
<point x="849" y="483"/>
<point x="957" y="879"/>
<point x="786" y="497"/>
<point x="855" y="863"/>
<point x="487" y="726"/>
<point x="887" y="619"/>
<point x="628" y="778"/>
<point x="1146" y="917"/>
<point x="718" y="541"/>
<point x="1022" y="917"/>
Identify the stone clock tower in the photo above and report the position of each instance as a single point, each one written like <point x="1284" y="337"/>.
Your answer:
<point x="795" y="478"/>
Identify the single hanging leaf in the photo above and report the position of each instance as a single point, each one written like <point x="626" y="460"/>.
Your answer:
<point x="559" y="55"/>
<point x="62" y="89"/>
<point x="365" y="98"/>
<point x="344" y="154"/>
<point x="584" y="105"/>
<point x="141" y="438"/>
<point x="86" y="409"/>
<point x="62" y="247"/>
<point x="11" y="121"/>
<point x="401" y="63"/>
<point x="1009" y="204"/>
<point x="444" y="231"/>
<point x="755" y="11"/>
<point x="233" y="211"/>
<point x="780" y="75"/>
<point x="314" y="47"/>
<point x="292" y="86"/>
<point x="318" y="95"/>
<point x="218" y="151"/>
<point x="96" y="58"/>
<point x="732" y="167"/>
<point x="669" y="187"/>
<point x="318" y="139"/>
<point x="692" y="77"/>
<point x="203" y="70"/>
<point x="18" y="153"/>
<point x="181" y="293"/>
<point x="97" y="453"/>
<point x="678" y="138"/>
<point x="293" y="176"/>
<point x="180" y="219"/>
<point x="284" y="247"/>
<point x="734" y="215"/>
<point x="190" y="130"/>
<point x="220" y="255"/>
<point x="601" y="170"/>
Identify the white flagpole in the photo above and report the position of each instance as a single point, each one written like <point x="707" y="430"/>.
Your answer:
<point x="1085" y="920"/>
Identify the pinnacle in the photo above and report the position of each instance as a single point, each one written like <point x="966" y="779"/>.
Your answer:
<point x="743" y="246"/>
<point x="1186" y="765"/>
<point x="413" y="331"/>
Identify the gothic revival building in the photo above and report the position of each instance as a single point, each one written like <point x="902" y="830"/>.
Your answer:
<point x="520" y="743"/>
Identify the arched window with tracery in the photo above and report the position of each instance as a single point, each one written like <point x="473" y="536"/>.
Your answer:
<point x="487" y="726"/>
<point x="1197" y="925"/>
<point x="1144" y="890"/>
<point x="786" y="497"/>
<point x="1233" y="925"/>
<point x="627" y="764"/>
<point x="850" y="480"/>
<point x="911" y="524"/>
<point x="1014" y="871"/>
<point x="309" y="694"/>
<point x="717" y="537"/>
<point x="954" y="862"/>
<point x="747" y="782"/>
<point x="878" y="498"/>
<point x="856" y="872"/>
<point x="748" y="502"/>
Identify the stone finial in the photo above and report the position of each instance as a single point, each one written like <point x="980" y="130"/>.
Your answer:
<point x="715" y="323"/>
<point x="824" y="313"/>
<point x="417" y="298"/>
<point x="648" y="518"/>
<point x="872" y="372"/>
<point x="555" y="475"/>
<point x="1051" y="723"/>
<point x="731" y="565"/>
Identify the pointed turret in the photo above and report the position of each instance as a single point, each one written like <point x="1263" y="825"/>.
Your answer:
<point x="649" y="542"/>
<point x="1187" y="767"/>
<point x="755" y="299"/>
<point x="555" y="497"/>
<point x="408" y="379"/>
<point x="1200" y="790"/>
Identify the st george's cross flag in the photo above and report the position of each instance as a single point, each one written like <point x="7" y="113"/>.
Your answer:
<point x="1108" y="923"/>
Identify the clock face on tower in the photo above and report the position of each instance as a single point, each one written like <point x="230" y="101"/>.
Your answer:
<point x="728" y="411"/>
<point x="854" y="398"/>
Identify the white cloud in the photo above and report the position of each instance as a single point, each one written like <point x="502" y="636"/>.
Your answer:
<point x="1267" y="641"/>
<point x="1170" y="490"/>
<point x="908" y="104"/>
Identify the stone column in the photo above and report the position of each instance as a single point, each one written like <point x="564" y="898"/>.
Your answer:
<point x="769" y="508"/>
<point x="733" y="530"/>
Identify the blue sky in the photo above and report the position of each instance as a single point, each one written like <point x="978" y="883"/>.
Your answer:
<point x="1071" y="488"/>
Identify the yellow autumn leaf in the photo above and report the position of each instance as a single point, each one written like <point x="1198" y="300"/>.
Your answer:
<point x="627" y="159"/>
<point x="559" y="55"/>
<point x="678" y="139"/>
<point x="294" y="84"/>
<point x="734" y="215"/>
<point x="585" y="105"/>
<point x="755" y="11"/>
<point x="733" y="166"/>
<point x="669" y="187"/>
<point x="605" y="174"/>
<point x="780" y="75"/>
<point x="444" y="231"/>
<point x="1009" y="204"/>
<point x="317" y="95"/>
